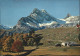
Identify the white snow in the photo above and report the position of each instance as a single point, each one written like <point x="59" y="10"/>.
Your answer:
<point x="34" y="14"/>
<point x="71" y="19"/>
<point x="67" y="22"/>
<point x="43" y="10"/>
<point x="29" y="24"/>
<point x="47" y="24"/>
<point x="62" y="19"/>
<point x="11" y="27"/>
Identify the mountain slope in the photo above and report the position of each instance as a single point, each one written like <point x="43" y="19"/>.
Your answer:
<point x="57" y="35"/>
<point x="38" y="19"/>
<point x="72" y="20"/>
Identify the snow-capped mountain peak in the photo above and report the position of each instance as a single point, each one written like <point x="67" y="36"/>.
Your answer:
<point x="37" y="19"/>
<point x="40" y="19"/>
<point x="43" y="11"/>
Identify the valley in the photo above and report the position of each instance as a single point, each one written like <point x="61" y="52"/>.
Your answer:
<point x="51" y="36"/>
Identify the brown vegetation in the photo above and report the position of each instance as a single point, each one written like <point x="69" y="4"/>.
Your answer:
<point x="7" y="44"/>
<point x="17" y="46"/>
<point x="27" y="39"/>
<point x="50" y="38"/>
<point x="58" y="35"/>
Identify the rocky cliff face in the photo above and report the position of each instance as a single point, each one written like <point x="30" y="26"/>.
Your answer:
<point x="38" y="19"/>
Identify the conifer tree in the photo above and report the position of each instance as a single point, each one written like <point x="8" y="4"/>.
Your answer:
<point x="7" y="44"/>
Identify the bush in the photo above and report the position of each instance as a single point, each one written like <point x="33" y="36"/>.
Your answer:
<point x="17" y="46"/>
<point x="30" y="42"/>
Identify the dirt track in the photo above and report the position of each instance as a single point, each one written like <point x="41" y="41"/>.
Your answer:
<point x="47" y="51"/>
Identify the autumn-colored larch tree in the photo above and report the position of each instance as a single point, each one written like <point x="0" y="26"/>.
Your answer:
<point x="17" y="46"/>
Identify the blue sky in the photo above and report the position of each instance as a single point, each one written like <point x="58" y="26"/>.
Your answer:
<point x="12" y="10"/>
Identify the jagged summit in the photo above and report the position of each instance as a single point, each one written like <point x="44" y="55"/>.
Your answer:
<point x="68" y="15"/>
<point x="41" y="15"/>
<point x="36" y="10"/>
<point x="44" y="11"/>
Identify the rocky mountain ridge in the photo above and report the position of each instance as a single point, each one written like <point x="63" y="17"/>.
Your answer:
<point x="4" y="27"/>
<point x="40" y="19"/>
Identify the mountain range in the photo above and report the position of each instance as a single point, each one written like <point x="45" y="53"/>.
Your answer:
<point x="41" y="19"/>
<point x="38" y="19"/>
<point x="4" y="27"/>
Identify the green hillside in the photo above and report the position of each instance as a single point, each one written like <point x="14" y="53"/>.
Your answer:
<point x="57" y="35"/>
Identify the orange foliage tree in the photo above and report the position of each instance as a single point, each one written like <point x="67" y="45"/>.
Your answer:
<point x="17" y="46"/>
